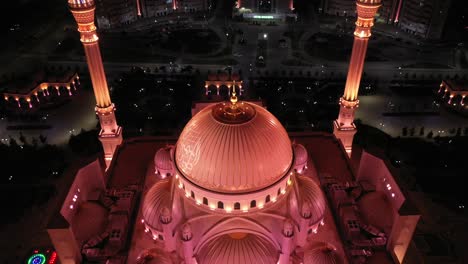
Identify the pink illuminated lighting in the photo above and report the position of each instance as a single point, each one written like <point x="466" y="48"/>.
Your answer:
<point x="138" y="7"/>
<point x="397" y="16"/>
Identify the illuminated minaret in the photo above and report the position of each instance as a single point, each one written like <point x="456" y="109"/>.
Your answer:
<point x="344" y="127"/>
<point x="110" y="134"/>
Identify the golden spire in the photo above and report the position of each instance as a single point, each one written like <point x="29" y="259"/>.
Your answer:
<point x="233" y="95"/>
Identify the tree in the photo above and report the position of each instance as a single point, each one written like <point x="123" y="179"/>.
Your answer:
<point x="22" y="138"/>
<point x="404" y="131"/>
<point x="430" y="134"/>
<point x="13" y="142"/>
<point x="43" y="139"/>
<point x="34" y="142"/>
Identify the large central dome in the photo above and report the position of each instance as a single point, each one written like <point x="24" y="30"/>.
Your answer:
<point x="233" y="148"/>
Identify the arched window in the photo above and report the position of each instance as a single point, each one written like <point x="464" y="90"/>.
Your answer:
<point x="220" y="205"/>
<point x="192" y="194"/>
<point x="279" y="191"/>
<point x="267" y="199"/>
<point x="237" y="206"/>
<point x="205" y="201"/>
<point x="253" y="204"/>
<point x="160" y="237"/>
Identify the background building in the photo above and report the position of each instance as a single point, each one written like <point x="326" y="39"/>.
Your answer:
<point x="424" y="18"/>
<point x="110" y="13"/>
<point x="266" y="6"/>
<point x="340" y="7"/>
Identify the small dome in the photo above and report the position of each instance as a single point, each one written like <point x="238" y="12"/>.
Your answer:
<point x="311" y="196"/>
<point x="163" y="161"/>
<point x="223" y="76"/>
<point x="235" y="76"/>
<point x="153" y="256"/>
<point x="234" y="150"/>
<point x="238" y="248"/>
<point x="212" y="77"/>
<point x="300" y="155"/>
<point x="322" y="255"/>
<point x="156" y="204"/>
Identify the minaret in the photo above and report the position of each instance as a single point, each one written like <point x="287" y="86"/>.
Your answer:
<point x="344" y="127"/>
<point x="110" y="134"/>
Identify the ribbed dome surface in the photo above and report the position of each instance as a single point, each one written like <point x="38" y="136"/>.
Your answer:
<point x="311" y="194"/>
<point x="236" y="156"/>
<point x="156" y="199"/>
<point x="300" y="154"/>
<point x="321" y="255"/>
<point x="228" y="250"/>
<point x="162" y="159"/>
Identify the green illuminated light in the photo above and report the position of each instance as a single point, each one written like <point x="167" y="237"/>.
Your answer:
<point x="37" y="259"/>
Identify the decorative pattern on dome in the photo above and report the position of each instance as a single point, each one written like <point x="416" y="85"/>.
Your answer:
<point x="234" y="158"/>
<point x="238" y="248"/>
<point x="322" y="255"/>
<point x="311" y="198"/>
<point x="157" y="200"/>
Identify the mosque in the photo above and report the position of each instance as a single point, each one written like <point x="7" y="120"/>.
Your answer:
<point x="234" y="187"/>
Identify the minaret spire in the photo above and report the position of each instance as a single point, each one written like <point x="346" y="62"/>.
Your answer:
<point x="111" y="133"/>
<point x="344" y="127"/>
<point x="233" y="98"/>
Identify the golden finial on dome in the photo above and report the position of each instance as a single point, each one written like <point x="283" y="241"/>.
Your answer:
<point x="233" y="95"/>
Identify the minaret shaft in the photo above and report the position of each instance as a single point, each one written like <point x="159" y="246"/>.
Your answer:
<point x="344" y="128"/>
<point x="355" y="72"/>
<point x="96" y="71"/>
<point x="110" y="134"/>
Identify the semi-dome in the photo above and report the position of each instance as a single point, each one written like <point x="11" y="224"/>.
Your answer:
<point x="157" y="204"/>
<point x="311" y="199"/>
<point x="238" y="248"/>
<point x="322" y="255"/>
<point x="233" y="148"/>
<point x="300" y="157"/>
<point x="163" y="161"/>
